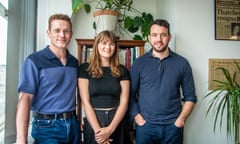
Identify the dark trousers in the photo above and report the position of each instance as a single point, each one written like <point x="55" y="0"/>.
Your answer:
<point x="159" y="134"/>
<point x="120" y="136"/>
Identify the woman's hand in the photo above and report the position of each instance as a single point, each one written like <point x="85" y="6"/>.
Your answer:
<point x="102" y="136"/>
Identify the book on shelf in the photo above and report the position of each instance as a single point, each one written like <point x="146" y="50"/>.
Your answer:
<point x="128" y="58"/>
<point x="132" y="55"/>
<point x="122" y="55"/>
<point x="137" y="51"/>
<point x="86" y="52"/>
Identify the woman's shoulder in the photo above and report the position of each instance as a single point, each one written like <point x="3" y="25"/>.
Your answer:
<point x="82" y="71"/>
<point x="124" y="72"/>
<point x="122" y="67"/>
<point x="84" y="65"/>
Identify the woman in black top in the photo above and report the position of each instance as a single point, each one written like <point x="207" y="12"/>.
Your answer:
<point x="104" y="91"/>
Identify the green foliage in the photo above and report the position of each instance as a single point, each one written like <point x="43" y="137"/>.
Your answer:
<point x="226" y="98"/>
<point x="78" y="4"/>
<point x="142" y="22"/>
<point x="131" y="20"/>
<point x="87" y="8"/>
<point x="116" y="5"/>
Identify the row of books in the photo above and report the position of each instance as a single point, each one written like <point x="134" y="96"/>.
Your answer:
<point x="126" y="55"/>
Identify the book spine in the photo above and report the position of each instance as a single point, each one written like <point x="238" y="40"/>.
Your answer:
<point x="84" y="51"/>
<point x="128" y="55"/>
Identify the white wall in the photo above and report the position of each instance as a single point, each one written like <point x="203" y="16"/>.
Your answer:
<point x="192" y="26"/>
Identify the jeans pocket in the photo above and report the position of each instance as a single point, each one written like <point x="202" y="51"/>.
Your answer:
<point x="38" y="123"/>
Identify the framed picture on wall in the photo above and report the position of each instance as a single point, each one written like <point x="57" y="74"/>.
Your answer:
<point x="227" y="20"/>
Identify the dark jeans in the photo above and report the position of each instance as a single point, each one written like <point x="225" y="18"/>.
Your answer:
<point x="159" y="134"/>
<point x="56" y="131"/>
<point x="120" y="135"/>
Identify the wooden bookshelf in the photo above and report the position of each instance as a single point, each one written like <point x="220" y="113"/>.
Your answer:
<point x="122" y="44"/>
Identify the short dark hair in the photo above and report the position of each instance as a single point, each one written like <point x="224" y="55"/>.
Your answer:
<point x="161" y="22"/>
<point x="59" y="17"/>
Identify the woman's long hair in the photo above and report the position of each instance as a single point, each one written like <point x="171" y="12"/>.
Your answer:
<point x="95" y="64"/>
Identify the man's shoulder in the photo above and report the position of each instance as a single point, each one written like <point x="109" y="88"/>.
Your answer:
<point x="178" y="57"/>
<point x="38" y="53"/>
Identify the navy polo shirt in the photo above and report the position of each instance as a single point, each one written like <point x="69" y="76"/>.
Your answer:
<point x="157" y="84"/>
<point x="52" y="84"/>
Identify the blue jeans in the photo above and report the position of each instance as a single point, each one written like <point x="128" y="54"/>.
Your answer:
<point x="159" y="134"/>
<point x="56" y="131"/>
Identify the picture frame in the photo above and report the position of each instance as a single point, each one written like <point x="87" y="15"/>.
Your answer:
<point x="227" y="20"/>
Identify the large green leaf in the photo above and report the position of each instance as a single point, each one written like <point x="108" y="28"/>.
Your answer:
<point x="76" y="5"/>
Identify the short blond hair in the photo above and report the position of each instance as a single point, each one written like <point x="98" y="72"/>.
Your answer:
<point x="59" y="17"/>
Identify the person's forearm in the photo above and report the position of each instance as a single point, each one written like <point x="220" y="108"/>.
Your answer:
<point x="22" y="118"/>
<point x="120" y="113"/>
<point x="186" y="111"/>
<point x="91" y="117"/>
<point x="123" y="106"/>
<point x="85" y="99"/>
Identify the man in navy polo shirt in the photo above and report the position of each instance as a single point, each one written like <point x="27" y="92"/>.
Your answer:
<point x="156" y="80"/>
<point x="47" y="87"/>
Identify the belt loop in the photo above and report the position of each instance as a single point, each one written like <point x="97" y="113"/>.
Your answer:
<point x="55" y="116"/>
<point x="65" y="115"/>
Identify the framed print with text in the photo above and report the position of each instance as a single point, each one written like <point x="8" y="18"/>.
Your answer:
<point x="227" y="20"/>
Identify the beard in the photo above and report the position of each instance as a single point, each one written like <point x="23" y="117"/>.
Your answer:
<point x="160" y="50"/>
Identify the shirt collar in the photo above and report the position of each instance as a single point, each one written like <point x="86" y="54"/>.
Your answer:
<point x="51" y="55"/>
<point x="171" y="53"/>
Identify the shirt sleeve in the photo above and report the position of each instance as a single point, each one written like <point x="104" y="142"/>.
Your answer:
<point x="82" y="71"/>
<point x="188" y="86"/>
<point x="134" y="86"/>
<point x="29" y="77"/>
<point x="124" y="73"/>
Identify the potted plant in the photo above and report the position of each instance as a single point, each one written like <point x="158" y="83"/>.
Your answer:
<point x="129" y="19"/>
<point x="225" y="102"/>
<point x="109" y="12"/>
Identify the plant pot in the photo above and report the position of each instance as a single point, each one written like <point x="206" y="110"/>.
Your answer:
<point x="105" y="20"/>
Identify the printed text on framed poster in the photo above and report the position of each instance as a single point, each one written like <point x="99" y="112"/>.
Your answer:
<point x="227" y="19"/>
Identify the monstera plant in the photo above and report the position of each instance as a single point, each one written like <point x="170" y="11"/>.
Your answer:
<point x="225" y="102"/>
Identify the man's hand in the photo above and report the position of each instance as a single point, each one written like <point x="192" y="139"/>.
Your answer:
<point x="139" y="119"/>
